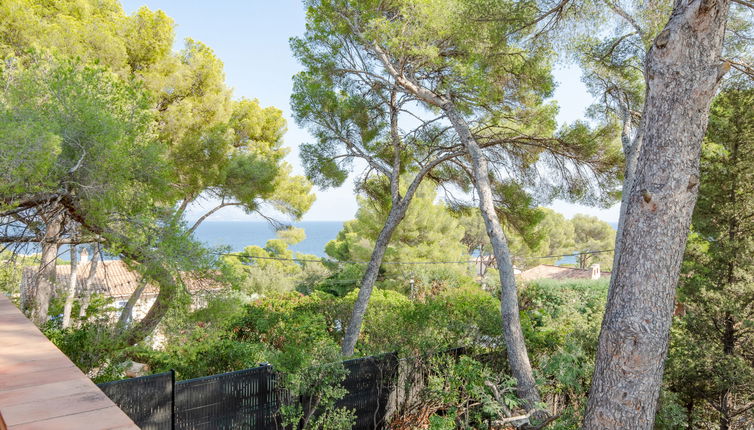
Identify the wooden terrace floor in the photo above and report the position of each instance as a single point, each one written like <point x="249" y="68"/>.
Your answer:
<point x="40" y="388"/>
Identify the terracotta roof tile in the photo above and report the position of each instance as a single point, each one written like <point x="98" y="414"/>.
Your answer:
<point x="113" y="278"/>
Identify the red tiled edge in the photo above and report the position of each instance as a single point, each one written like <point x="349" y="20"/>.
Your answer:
<point x="40" y="388"/>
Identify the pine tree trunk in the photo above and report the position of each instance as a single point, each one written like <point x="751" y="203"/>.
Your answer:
<point x="683" y="71"/>
<point x="396" y="214"/>
<point x="168" y="289"/>
<point x="87" y="289"/>
<point x="518" y="357"/>
<point x="46" y="277"/>
<point x="631" y="149"/>
<point x="127" y="313"/>
<point x="729" y="342"/>
<point x="71" y="291"/>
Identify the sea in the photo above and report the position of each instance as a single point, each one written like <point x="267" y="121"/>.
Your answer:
<point x="236" y="235"/>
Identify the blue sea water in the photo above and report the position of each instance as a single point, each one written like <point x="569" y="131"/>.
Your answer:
<point x="239" y="234"/>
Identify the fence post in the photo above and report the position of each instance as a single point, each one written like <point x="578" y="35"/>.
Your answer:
<point x="172" y="399"/>
<point x="263" y="396"/>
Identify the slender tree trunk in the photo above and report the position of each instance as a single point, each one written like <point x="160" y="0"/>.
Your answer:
<point x="396" y="214"/>
<point x="729" y="342"/>
<point x="88" y="283"/>
<point x="631" y="149"/>
<point x="168" y="289"/>
<point x="518" y="357"/>
<point x="71" y="291"/>
<point x="47" y="275"/>
<point x="127" y="312"/>
<point x="683" y="71"/>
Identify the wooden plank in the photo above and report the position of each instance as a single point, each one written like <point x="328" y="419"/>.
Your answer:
<point x="30" y="379"/>
<point x="42" y="392"/>
<point x="55" y="407"/>
<point x="40" y="388"/>
<point x="110" y="418"/>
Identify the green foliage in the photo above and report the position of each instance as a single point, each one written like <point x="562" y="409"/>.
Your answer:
<point x="428" y="232"/>
<point x="269" y="269"/>
<point x="709" y="365"/>
<point x="320" y="387"/>
<point x="461" y="386"/>
<point x="11" y="269"/>
<point x="591" y="234"/>
<point x="556" y="237"/>
<point x="238" y="144"/>
<point x="493" y="72"/>
<point x="90" y="344"/>
<point x="96" y="131"/>
<point x="561" y="322"/>
<point x="201" y="351"/>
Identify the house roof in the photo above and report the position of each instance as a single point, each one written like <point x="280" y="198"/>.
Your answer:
<point x="547" y="271"/>
<point x="113" y="278"/>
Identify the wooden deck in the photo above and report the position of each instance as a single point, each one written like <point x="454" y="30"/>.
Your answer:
<point x="40" y="388"/>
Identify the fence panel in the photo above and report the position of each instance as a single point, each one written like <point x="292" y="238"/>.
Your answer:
<point x="147" y="400"/>
<point x="237" y="400"/>
<point x="369" y="383"/>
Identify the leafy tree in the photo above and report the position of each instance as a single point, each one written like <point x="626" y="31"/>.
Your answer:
<point x="89" y="137"/>
<point x="354" y="116"/>
<point x="592" y="235"/>
<point x="486" y="83"/>
<point x="428" y="233"/>
<point x="238" y="144"/>
<point x="710" y="361"/>
<point x="553" y="235"/>
<point x="271" y="269"/>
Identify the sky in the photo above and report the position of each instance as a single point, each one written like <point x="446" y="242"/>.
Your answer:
<point x="251" y="38"/>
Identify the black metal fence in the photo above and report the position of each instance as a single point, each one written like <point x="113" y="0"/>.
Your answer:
<point x="246" y="399"/>
<point x="147" y="400"/>
<point x="369" y="383"/>
<point x="237" y="400"/>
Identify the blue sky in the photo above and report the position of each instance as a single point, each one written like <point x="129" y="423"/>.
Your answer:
<point x="251" y="38"/>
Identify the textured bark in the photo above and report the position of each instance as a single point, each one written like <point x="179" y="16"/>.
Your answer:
<point x="86" y="294"/>
<point x="518" y="357"/>
<point x="44" y="281"/>
<point x="631" y="149"/>
<point x="683" y="71"/>
<point x="71" y="290"/>
<point x="168" y="289"/>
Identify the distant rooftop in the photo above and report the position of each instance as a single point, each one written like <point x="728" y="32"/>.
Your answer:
<point x="547" y="271"/>
<point x="114" y="279"/>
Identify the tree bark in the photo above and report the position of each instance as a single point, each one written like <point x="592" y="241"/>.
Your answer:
<point x="87" y="289"/>
<point x="518" y="356"/>
<point x="44" y="283"/>
<point x="71" y="291"/>
<point x="683" y="71"/>
<point x="631" y="149"/>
